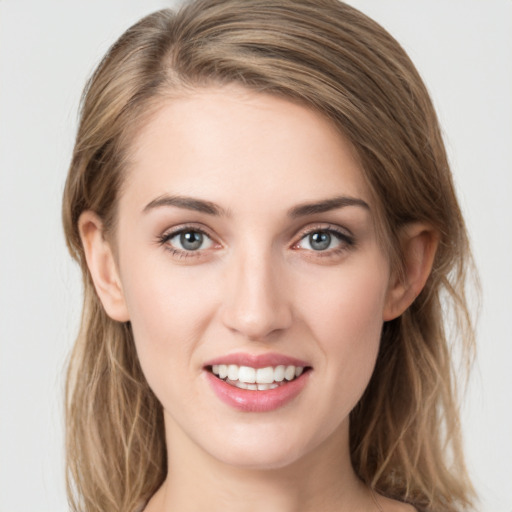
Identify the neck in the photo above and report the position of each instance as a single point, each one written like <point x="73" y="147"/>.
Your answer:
<point x="323" y="480"/>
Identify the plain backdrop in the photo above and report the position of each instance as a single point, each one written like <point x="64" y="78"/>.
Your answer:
<point x="463" y="49"/>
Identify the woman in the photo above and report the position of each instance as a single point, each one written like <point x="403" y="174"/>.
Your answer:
<point x="261" y="204"/>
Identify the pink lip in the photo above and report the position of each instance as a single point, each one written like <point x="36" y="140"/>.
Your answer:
<point x="256" y="401"/>
<point x="257" y="361"/>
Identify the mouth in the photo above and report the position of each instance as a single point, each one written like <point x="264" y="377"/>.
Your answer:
<point x="257" y="379"/>
<point x="257" y="382"/>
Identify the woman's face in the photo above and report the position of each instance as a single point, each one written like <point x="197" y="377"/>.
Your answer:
<point x="246" y="245"/>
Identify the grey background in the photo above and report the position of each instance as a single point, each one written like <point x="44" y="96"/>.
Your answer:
<point x="462" y="48"/>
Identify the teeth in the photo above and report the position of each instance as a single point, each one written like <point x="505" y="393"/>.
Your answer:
<point x="260" y="379"/>
<point x="223" y="371"/>
<point x="289" y="373"/>
<point x="279" y="373"/>
<point x="247" y="374"/>
<point x="265" y="375"/>
<point x="233" y="372"/>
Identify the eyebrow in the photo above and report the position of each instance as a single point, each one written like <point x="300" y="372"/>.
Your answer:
<point x="326" y="205"/>
<point x="301" y="210"/>
<point x="188" y="203"/>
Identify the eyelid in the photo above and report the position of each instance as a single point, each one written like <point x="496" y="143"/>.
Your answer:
<point x="164" y="238"/>
<point x="343" y="233"/>
<point x="176" y="230"/>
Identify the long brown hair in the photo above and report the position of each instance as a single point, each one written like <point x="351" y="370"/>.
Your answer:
<point x="404" y="433"/>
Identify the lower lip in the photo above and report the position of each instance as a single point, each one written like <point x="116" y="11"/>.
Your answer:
<point x="257" y="401"/>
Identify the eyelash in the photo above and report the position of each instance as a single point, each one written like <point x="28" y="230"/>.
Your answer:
<point x="165" y="238"/>
<point x="346" y="240"/>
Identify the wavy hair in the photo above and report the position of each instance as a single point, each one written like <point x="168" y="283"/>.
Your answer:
<point x="405" y="436"/>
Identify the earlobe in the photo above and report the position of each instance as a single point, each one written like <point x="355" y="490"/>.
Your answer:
<point x="419" y="244"/>
<point x="102" y="266"/>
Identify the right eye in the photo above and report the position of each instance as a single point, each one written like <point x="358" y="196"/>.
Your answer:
<point x="187" y="240"/>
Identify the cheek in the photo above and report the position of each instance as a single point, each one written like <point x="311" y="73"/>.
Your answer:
<point x="168" y="308"/>
<point x="349" y="303"/>
<point x="162" y="296"/>
<point x="345" y="317"/>
<point x="171" y="307"/>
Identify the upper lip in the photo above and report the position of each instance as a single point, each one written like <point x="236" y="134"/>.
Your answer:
<point x="257" y="360"/>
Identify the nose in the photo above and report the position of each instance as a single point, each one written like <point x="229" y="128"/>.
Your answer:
<point x="255" y="302"/>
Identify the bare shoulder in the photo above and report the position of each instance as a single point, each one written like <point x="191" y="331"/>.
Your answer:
<point x="389" y="505"/>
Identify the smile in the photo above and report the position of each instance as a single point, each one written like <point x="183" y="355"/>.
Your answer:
<point x="257" y="383"/>
<point x="256" y="379"/>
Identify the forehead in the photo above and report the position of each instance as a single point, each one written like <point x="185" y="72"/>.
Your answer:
<point x="225" y="143"/>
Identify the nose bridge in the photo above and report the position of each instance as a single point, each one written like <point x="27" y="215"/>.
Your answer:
<point x="255" y="301"/>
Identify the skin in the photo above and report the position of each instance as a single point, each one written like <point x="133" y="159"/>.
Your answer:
<point x="255" y="285"/>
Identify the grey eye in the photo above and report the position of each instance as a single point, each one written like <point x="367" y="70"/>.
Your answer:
<point x="191" y="240"/>
<point x="187" y="241"/>
<point x="324" y="240"/>
<point x="320" y="240"/>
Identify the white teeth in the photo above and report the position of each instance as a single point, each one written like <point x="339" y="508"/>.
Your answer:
<point x="289" y="373"/>
<point x="247" y="374"/>
<point x="233" y="372"/>
<point x="279" y="373"/>
<point x="246" y="377"/>
<point x="265" y="375"/>
<point x="223" y="371"/>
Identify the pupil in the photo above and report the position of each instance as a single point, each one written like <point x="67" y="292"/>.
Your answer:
<point x="320" y="241"/>
<point x="191" y="240"/>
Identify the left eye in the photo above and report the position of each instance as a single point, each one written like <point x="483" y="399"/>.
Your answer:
<point x="320" y="240"/>
<point x="189" y="240"/>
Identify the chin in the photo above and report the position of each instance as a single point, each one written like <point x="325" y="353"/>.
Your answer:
<point x="259" y="459"/>
<point x="265" y="448"/>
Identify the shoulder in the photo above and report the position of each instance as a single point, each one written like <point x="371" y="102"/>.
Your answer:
<point x="390" y="505"/>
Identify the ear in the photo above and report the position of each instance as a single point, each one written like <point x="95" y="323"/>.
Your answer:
<point x="419" y="244"/>
<point x="102" y="266"/>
